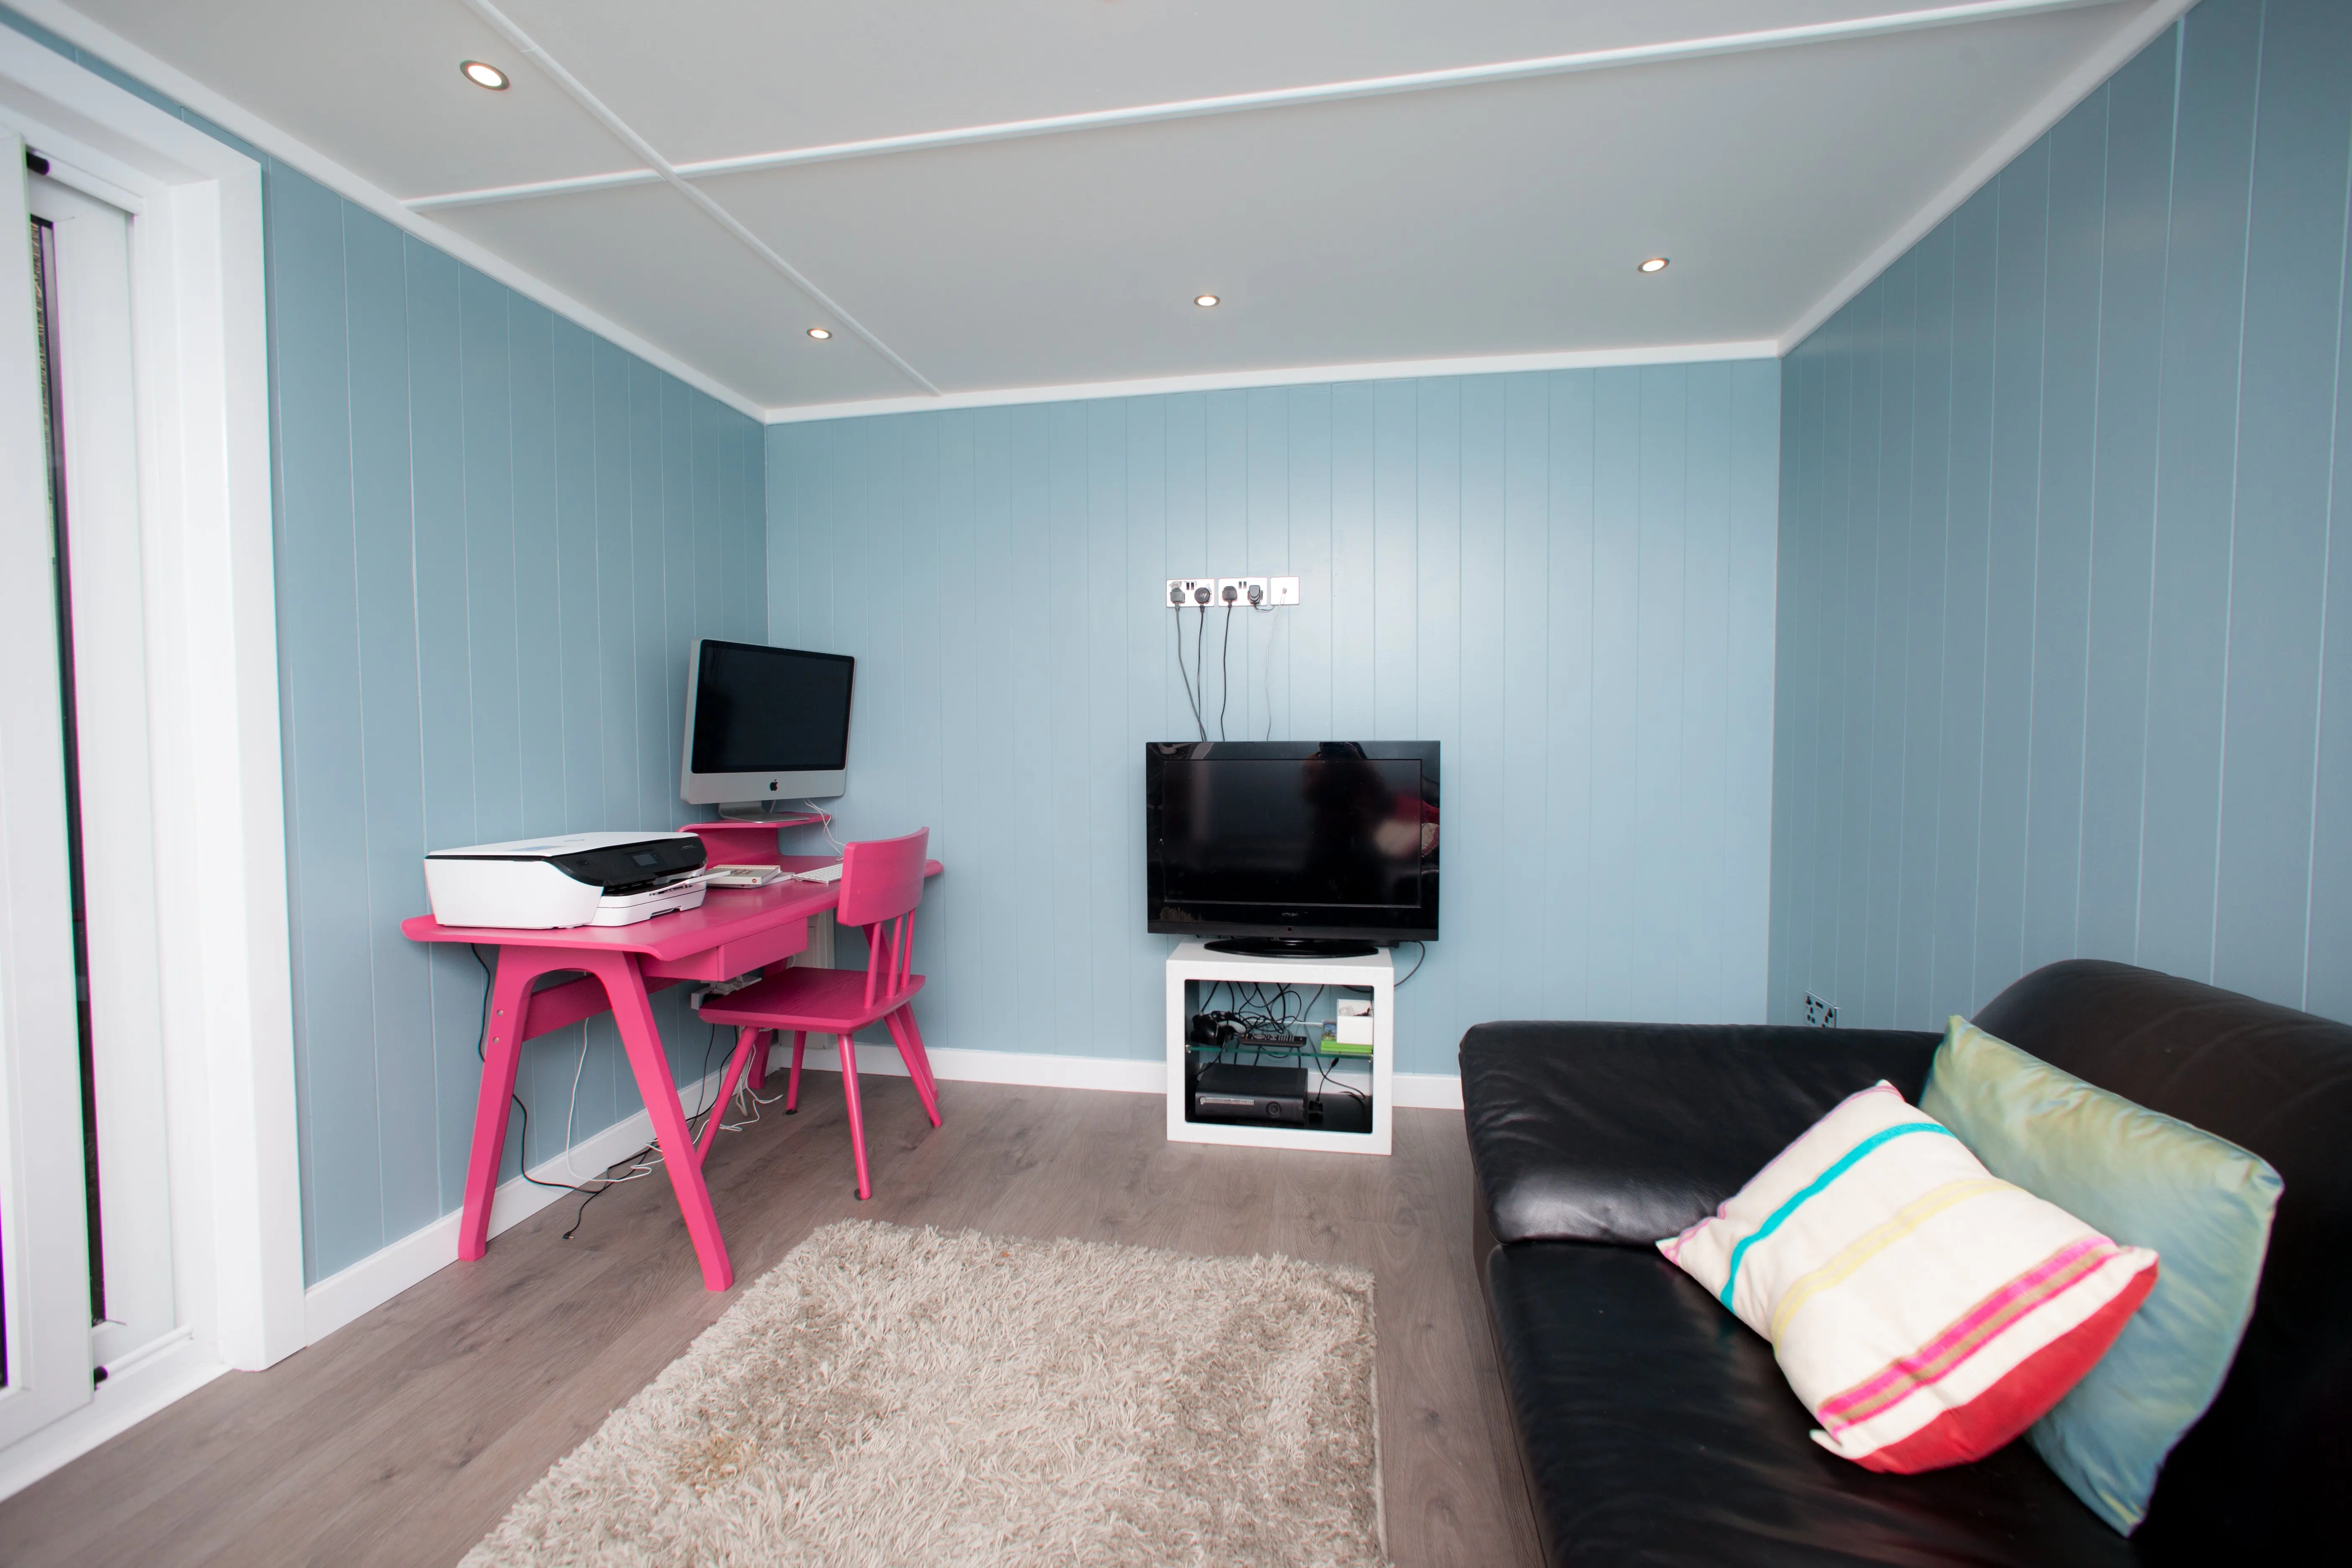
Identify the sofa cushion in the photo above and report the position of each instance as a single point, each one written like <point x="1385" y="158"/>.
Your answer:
<point x="2267" y="1460"/>
<point x="1628" y="1133"/>
<point x="2146" y="1179"/>
<point x="1927" y="1311"/>
<point x="1656" y="1429"/>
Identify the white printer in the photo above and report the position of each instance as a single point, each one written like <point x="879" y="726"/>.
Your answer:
<point x="570" y="879"/>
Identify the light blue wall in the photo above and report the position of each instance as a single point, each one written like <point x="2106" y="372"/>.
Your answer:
<point x="2066" y="665"/>
<point x="497" y="536"/>
<point x="1566" y="579"/>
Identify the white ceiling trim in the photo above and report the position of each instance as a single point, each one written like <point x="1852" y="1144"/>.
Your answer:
<point x="128" y="56"/>
<point x="1243" y="102"/>
<point x="578" y="92"/>
<point x="2072" y="88"/>
<point x="1292" y="375"/>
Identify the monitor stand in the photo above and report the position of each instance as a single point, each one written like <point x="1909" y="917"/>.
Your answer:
<point x="778" y="813"/>
<point x="1291" y="947"/>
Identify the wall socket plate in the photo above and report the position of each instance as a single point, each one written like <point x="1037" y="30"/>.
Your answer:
<point x="1179" y="591"/>
<point x="1240" y="587"/>
<point x="1819" y="1013"/>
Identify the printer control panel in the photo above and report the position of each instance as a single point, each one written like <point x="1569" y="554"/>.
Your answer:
<point x="630" y="868"/>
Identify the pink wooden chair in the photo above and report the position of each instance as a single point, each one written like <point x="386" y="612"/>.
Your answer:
<point x="881" y="883"/>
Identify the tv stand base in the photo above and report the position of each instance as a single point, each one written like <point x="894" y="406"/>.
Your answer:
<point x="1291" y="947"/>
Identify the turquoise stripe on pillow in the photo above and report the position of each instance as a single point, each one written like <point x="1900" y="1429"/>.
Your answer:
<point x="1813" y="1188"/>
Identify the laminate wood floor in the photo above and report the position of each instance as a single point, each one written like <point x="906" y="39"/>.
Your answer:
<point x="402" y="1438"/>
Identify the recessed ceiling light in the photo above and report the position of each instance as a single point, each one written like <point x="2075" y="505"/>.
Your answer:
<point x="819" y="333"/>
<point x="482" y="74"/>
<point x="1204" y="301"/>
<point x="1656" y="264"/>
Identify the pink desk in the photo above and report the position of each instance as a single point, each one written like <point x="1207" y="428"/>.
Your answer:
<point x="734" y="931"/>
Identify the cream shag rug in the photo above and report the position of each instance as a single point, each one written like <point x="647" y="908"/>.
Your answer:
<point x="889" y="1395"/>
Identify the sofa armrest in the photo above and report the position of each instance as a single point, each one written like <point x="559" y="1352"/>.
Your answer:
<point x="1628" y="1133"/>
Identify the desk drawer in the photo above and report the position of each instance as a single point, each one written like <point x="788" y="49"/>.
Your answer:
<point x="731" y="959"/>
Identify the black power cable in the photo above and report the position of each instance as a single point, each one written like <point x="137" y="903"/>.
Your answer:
<point x="580" y="1214"/>
<point x="1225" y="668"/>
<point x="1199" y="682"/>
<point x="481" y="1051"/>
<point x="590" y="1193"/>
<point x="1190" y="700"/>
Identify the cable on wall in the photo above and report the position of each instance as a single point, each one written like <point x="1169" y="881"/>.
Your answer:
<point x="1266" y="665"/>
<point x="1192" y="701"/>
<point x="1199" y="682"/>
<point x="1224" y="669"/>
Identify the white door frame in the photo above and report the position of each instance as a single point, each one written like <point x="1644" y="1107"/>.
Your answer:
<point x="210" y="621"/>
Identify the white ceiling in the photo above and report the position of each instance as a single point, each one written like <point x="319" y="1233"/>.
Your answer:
<point x="1497" y="218"/>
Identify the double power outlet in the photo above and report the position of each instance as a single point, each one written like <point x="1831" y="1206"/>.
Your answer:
<point x="1241" y="593"/>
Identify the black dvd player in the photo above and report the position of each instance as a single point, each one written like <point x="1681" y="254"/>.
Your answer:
<point x="1227" y="1091"/>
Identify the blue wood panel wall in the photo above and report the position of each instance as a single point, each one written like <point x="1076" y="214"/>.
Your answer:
<point x="1567" y="579"/>
<point x="2065" y="667"/>
<point x="497" y="536"/>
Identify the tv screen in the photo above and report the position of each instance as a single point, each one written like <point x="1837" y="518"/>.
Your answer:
<point x="1293" y="839"/>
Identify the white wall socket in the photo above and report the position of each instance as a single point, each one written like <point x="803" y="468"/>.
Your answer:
<point x="1184" y="592"/>
<point x="1240" y="587"/>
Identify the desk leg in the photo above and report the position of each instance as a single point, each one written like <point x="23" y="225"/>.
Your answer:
<point x="501" y="1052"/>
<point x="633" y="1010"/>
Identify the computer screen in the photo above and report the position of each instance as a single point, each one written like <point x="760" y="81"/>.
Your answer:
<point x="771" y="710"/>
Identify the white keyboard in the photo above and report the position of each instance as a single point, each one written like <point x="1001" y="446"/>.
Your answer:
<point x="821" y="873"/>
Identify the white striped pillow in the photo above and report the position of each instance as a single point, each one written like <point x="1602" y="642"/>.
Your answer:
<point x="1925" y="1310"/>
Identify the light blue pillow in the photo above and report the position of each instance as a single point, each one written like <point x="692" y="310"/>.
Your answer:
<point x="2203" y="1204"/>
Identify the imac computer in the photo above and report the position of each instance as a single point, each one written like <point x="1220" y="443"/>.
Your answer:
<point x="765" y="726"/>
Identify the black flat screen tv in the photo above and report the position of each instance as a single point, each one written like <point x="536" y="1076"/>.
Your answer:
<point x="1305" y="847"/>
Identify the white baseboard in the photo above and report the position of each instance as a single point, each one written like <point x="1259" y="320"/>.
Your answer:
<point x="1128" y="1074"/>
<point x="142" y="1384"/>
<point x="1428" y="1090"/>
<point x="376" y="1278"/>
<point x="372" y="1282"/>
<point x="1133" y="1075"/>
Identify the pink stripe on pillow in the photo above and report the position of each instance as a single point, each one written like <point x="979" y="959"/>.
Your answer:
<point x="1975" y="1328"/>
<point x="1997" y="1417"/>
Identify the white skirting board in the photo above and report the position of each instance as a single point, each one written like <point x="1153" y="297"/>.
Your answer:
<point x="378" y="1277"/>
<point x="1132" y="1074"/>
<point x="136" y="1387"/>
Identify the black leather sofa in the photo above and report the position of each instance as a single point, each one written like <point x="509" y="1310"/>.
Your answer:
<point x="1656" y="1428"/>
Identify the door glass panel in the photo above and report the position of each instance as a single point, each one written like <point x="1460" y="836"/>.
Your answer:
<point x="45" y="307"/>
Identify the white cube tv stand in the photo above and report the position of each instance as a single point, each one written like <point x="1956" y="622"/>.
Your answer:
<point x="1192" y="961"/>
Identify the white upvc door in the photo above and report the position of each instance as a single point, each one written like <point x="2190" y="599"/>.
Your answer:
<point x="44" y="1255"/>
